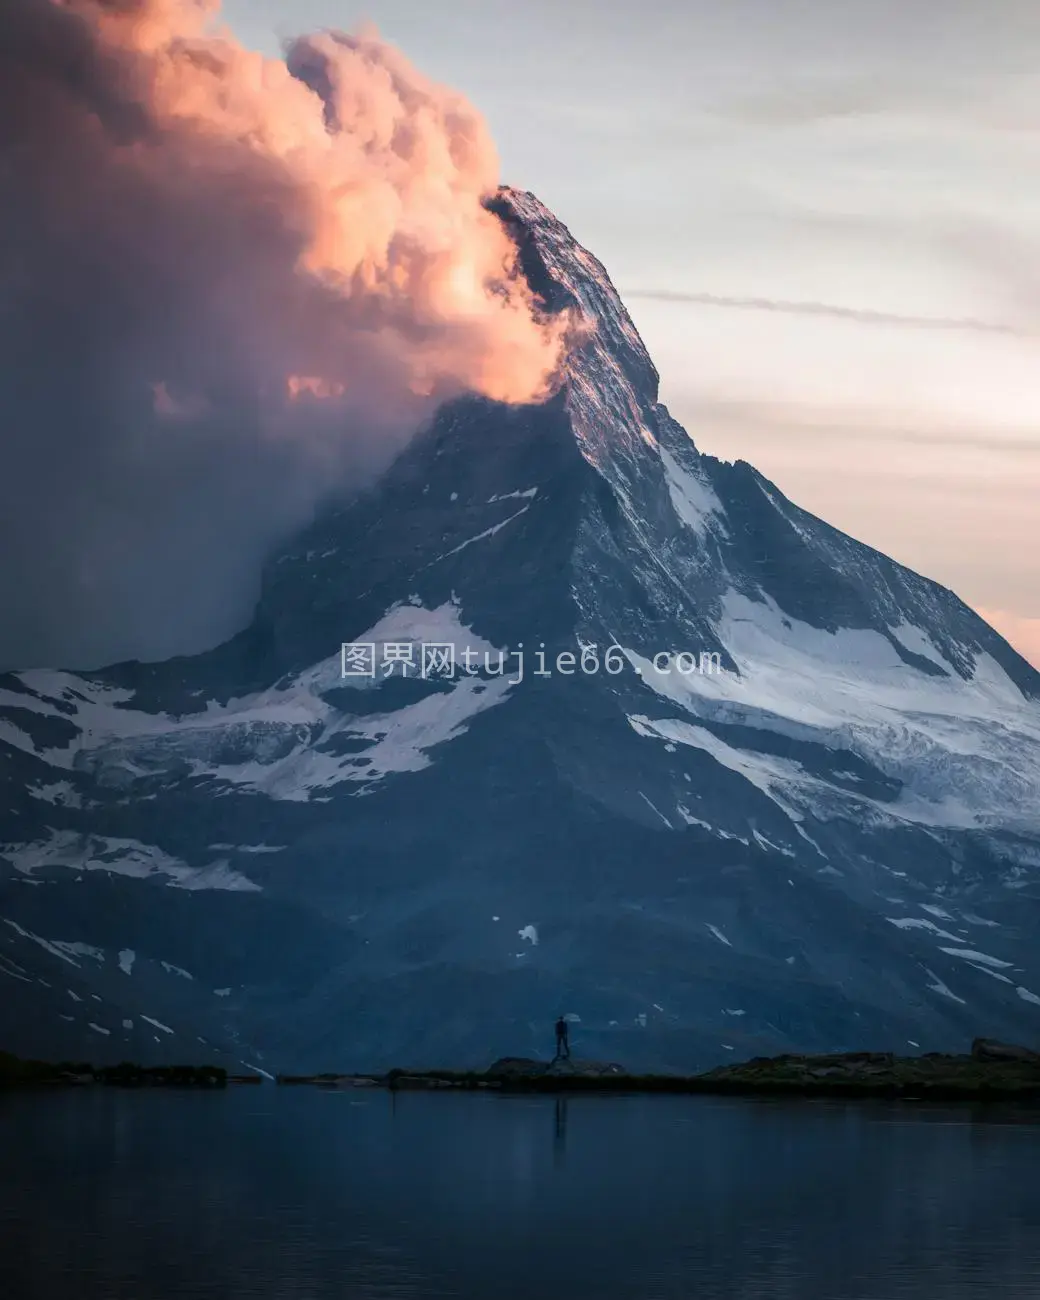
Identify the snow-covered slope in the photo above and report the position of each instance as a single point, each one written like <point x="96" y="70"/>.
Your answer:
<point x="720" y="779"/>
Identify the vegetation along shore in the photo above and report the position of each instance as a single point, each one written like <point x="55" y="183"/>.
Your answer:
<point x="990" y="1071"/>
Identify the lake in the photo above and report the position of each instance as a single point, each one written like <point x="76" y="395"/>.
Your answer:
<point x="299" y="1194"/>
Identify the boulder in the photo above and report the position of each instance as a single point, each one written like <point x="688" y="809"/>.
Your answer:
<point x="525" y="1067"/>
<point x="587" y="1069"/>
<point x="512" y="1067"/>
<point x="989" y="1049"/>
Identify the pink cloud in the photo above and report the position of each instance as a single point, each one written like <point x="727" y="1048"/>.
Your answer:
<point x="232" y="286"/>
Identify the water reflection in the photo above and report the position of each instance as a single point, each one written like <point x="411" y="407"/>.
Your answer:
<point x="559" y="1130"/>
<point x="282" y="1193"/>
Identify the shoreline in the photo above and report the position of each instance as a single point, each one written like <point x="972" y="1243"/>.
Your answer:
<point x="19" y="1073"/>
<point x="991" y="1072"/>
<point x="677" y="1085"/>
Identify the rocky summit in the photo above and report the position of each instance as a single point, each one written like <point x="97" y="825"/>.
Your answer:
<point x="563" y="717"/>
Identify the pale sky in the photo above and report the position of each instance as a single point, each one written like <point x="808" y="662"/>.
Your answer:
<point x="877" y="156"/>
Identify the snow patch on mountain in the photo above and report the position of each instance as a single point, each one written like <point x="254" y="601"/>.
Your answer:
<point x="303" y="764"/>
<point x="918" y="923"/>
<point x="919" y="643"/>
<point x="56" y="950"/>
<point x="480" y="537"/>
<point x="967" y="754"/>
<point x="413" y="623"/>
<point x="693" y="498"/>
<point x="939" y="986"/>
<point x="94" y="708"/>
<point x="61" y="793"/>
<point x="119" y="857"/>
<point x="248" y="848"/>
<point x="774" y="776"/>
<point x="80" y="949"/>
<point x="292" y="739"/>
<point x="970" y="955"/>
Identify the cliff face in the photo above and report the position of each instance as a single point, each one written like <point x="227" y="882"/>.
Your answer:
<point x="742" y="785"/>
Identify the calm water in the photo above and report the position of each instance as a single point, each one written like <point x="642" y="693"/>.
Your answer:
<point x="304" y="1195"/>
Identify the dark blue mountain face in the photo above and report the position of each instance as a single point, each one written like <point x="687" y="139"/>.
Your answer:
<point x="756" y="788"/>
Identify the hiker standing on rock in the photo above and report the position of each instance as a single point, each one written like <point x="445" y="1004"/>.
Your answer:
<point x="562" y="1045"/>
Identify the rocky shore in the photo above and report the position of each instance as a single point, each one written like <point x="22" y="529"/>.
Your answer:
<point x="990" y="1071"/>
<point x="18" y="1073"/>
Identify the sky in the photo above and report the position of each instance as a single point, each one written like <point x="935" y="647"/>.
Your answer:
<point x="823" y="218"/>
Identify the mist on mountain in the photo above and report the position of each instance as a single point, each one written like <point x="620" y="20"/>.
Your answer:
<point x="234" y="287"/>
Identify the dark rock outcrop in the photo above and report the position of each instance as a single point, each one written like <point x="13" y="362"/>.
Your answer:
<point x="989" y="1049"/>
<point x="515" y="1067"/>
<point x="934" y="1074"/>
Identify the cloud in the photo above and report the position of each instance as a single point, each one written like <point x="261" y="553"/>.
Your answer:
<point x="1023" y="633"/>
<point x="814" y="425"/>
<point x="976" y="97"/>
<point x="806" y="100"/>
<point x="229" y="287"/>
<point x="857" y="315"/>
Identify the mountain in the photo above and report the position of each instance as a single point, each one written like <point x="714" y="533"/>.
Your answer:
<point x="771" y="791"/>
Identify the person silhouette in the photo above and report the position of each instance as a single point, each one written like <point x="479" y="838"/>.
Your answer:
<point x="563" y="1048"/>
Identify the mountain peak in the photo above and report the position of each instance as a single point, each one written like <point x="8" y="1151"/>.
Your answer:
<point x="566" y="275"/>
<point x="796" y="808"/>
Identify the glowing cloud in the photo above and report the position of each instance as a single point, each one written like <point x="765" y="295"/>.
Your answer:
<point x="230" y="285"/>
